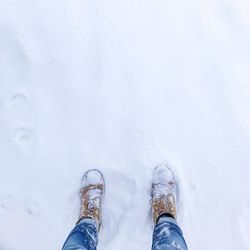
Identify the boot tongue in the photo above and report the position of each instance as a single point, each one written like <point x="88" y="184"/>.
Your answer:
<point x="94" y="193"/>
<point x="91" y="205"/>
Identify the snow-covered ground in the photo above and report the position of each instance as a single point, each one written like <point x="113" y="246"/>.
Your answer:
<point x="124" y="86"/>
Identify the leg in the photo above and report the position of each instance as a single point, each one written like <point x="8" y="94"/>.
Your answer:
<point x="83" y="237"/>
<point x="168" y="236"/>
<point x="85" y="234"/>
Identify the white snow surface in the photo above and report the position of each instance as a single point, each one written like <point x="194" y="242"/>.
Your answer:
<point x="124" y="86"/>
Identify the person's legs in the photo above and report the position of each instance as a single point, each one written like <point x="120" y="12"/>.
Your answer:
<point x="85" y="234"/>
<point x="168" y="236"/>
<point x="83" y="237"/>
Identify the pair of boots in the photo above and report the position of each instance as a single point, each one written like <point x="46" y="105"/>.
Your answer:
<point x="163" y="195"/>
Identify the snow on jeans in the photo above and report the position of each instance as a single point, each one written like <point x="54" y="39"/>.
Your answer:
<point x="167" y="236"/>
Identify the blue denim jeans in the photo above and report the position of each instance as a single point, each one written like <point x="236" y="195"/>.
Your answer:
<point x="83" y="237"/>
<point x="167" y="236"/>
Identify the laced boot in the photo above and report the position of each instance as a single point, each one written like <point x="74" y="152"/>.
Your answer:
<point x="92" y="192"/>
<point x="163" y="193"/>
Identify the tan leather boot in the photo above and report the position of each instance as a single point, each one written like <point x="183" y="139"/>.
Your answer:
<point x="92" y="193"/>
<point x="163" y="193"/>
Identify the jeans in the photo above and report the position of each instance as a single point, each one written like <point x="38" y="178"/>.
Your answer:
<point x="83" y="237"/>
<point x="167" y="236"/>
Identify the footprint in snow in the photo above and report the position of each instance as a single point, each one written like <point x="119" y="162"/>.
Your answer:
<point x="32" y="208"/>
<point x="24" y="139"/>
<point x="22" y="135"/>
<point x="18" y="100"/>
<point x="7" y="202"/>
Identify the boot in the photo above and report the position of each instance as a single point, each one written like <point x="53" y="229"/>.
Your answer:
<point x="163" y="193"/>
<point x="92" y="193"/>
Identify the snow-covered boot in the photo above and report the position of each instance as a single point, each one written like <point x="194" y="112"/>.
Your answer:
<point x="163" y="193"/>
<point x="92" y="192"/>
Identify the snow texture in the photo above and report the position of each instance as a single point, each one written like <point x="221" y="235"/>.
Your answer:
<point x="124" y="86"/>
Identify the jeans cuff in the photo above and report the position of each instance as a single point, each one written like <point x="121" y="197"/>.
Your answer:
<point x="88" y="221"/>
<point x="167" y="219"/>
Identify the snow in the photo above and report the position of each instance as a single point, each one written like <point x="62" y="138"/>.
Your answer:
<point x="124" y="86"/>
